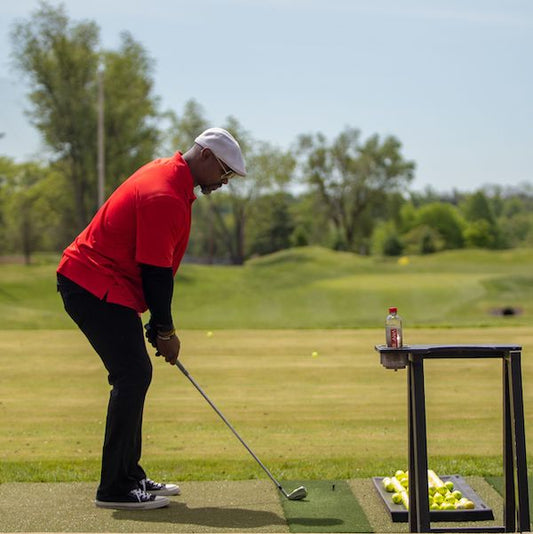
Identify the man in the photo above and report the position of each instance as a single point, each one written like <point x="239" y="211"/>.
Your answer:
<point x="122" y="264"/>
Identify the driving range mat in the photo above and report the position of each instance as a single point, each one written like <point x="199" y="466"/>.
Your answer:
<point x="330" y="506"/>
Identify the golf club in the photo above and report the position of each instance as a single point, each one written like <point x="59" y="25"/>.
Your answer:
<point x="295" y="495"/>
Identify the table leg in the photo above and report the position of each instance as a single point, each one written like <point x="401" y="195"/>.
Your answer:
<point x="418" y="471"/>
<point x="413" y="521"/>
<point x="519" y="441"/>
<point x="509" y="508"/>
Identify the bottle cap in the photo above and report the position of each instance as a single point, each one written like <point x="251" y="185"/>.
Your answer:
<point x="393" y="309"/>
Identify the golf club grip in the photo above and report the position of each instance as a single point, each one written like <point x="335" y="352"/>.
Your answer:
<point x="221" y="415"/>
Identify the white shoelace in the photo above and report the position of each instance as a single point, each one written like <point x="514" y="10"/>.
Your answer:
<point x="155" y="486"/>
<point x="140" y="495"/>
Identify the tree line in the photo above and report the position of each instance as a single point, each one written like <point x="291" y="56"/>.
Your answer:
<point x="348" y="193"/>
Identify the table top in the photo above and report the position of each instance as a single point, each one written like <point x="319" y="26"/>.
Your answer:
<point x="451" y="351"/>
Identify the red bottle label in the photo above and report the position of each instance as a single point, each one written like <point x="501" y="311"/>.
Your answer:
<point x="394" y="338"/>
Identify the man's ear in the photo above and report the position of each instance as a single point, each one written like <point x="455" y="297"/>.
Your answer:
<point x="205" y="153"/>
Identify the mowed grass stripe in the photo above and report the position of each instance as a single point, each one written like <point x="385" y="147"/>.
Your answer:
<point x="334" y="416"/>
<point x="311" y="287"/>
<point x="330" y="506"/>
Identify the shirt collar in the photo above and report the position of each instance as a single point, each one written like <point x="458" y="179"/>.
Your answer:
<point x="186" y="184"/>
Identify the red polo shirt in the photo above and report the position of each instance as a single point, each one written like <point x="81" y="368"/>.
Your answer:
<point x="146" y="220"/>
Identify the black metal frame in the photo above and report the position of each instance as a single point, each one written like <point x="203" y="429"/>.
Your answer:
<point x="516" y="495"/>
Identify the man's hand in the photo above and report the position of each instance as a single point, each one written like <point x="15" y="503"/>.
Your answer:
<point x="166" y="343"/>
<point x="169" y="347"/>
<point x="151" y="334"/>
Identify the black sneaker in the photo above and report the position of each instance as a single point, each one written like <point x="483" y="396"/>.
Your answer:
<point x="136" y="499"/>
<point x="159" y="489"/>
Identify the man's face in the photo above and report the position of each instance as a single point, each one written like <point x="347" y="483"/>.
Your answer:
<point x="216" y="173"/>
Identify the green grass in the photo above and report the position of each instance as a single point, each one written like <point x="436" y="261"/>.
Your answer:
<point x="338" y="416"/>
<point x="313" y="288"/>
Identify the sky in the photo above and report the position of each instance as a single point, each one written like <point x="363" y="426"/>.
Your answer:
<point x="451" y="79"/>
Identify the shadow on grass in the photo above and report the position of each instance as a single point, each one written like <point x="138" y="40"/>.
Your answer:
<point x="180" y="513"/>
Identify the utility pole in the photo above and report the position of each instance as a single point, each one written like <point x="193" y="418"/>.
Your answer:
<point x="100" y="136"/>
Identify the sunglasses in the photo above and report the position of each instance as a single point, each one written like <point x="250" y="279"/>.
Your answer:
<point x="227" y="172"/>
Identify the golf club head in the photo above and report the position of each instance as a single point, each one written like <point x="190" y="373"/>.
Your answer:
<point x="298" y="494"/>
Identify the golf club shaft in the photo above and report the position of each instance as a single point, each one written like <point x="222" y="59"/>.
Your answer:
<point x="221" y="415"/>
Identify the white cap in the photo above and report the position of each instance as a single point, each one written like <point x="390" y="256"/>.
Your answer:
<point x="224" y="147"/>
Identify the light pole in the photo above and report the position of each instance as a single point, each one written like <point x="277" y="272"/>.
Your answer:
<point x="100" y="136"/>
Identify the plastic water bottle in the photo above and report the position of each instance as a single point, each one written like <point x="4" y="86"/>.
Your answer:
<point x="393" y="329"/>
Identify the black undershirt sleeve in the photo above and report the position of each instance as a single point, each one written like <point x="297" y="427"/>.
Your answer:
<point x="158" y="287"/>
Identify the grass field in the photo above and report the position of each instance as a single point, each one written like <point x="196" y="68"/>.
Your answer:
<point x="313" y="288"/>
<point x="336" y="416"/>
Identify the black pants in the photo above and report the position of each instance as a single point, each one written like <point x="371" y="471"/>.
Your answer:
<point x="116" y="334"/>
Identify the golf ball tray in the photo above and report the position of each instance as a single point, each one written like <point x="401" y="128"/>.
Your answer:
<point x="399" y="514"/>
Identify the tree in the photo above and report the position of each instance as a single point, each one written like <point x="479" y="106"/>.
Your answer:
<point x="479" y="233"/>
<point x="386" y="241"/>
<point x="513" y="208"/>
<point x="423" y="239"/>
<point x="482" y="229"/>
<point x="186" y="128"/>
<point x="7" y="170"/>
<point x="445" y="220"/>
<point x="311" y="222"/>
<point x="352" y="178"/>
<point x="32" y="203"/>
<point x="60" y="58"/>
<point x="220" y="220"/>
<point x="517" y="230"/>
<point x="476" y="207"/>
<point x="131" y="112"/>
<point x="204" y="243"/>
<point x="272" y="226"/>
<point x="269" y="169"/>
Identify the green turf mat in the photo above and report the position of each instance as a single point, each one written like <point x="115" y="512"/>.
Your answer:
<point x="330" y="506"/>
<point x="497" y="484"/>
<point x="204" y="507"/>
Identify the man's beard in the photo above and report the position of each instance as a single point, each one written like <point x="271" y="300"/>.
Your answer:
<point x="208" y="189"/>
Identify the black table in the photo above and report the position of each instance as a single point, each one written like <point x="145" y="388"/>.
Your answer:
<point x="516" y="499"/>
